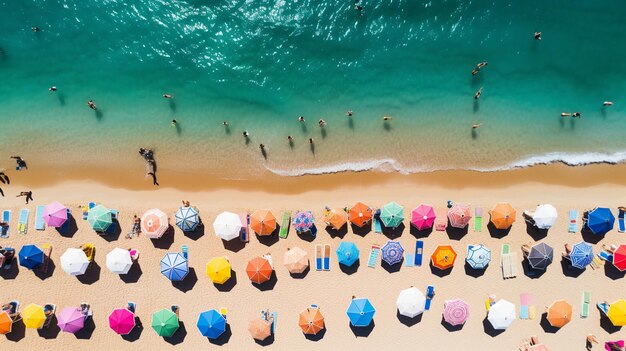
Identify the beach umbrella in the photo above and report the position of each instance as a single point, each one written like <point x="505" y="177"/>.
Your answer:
<point x="154" y="223"/>
<point x="174" y="266"/>
<point x="540" y="256"/>
<point x="411" y="302"/>
<point x="501" y="314"/>
<point x="360" y="312"/>
<point x="122" y="321"/>
<point x="619" y="258"/>
<point x="259" y="328"/>
<point x="6" y="323"/>
<point x="30" y="256"/>
<point x="259" y="270"/>
<point x="303" y="221"/>
<point x="459" y="215"/>
<point x="347" y="253"/>
<point x="455" y="312"/>
<point x="392" y="252"/>
<point x="582" y="255"/>
<point x="187" y="218"/>
<point x="74" y="261"/>
<point x="336" y="218"/>
<point x="100" y="218"/>
<point x="443" y="257"/>
<point x="227" y="226"/>
<point x="296" y="260"/>
<point x="263" y="222"/>
<point x="600" y="220"/>
<point x="545" y="216"/>
<point x="423" y="217"/>
<point x="478" y="256"/>
<point x="617" y="313"/>
<point x="71" y="319"/>
<point x="211" y="324"/>
<point x="503" y="215"/>
<point x="55" y="214"/>
<point x="360" y="214"/>
<point x="559" y="313"/>
<point x="219" y="270"/>
<point x="119" y="261"/>
<point x="392" y="215"/>
<point x="33" y="316"/>
<point x="165" y="322"/>
<point x="311" y="321"/>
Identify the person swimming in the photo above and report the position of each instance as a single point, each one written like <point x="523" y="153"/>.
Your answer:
<point x="167" y="96"/>
<point x="349" y="113"/>
<point x="262" y="147"/>
<point x="322" y="122"/>
<point x="310" y="140"/>
<point x="245" y="134"/>
<point x="478" y="93"/>
<point x="565" y="114"/>
<point x="301" y="118"/>
<point x="576" y="114"/>
<point x="386" y="118"/>
<point x="538" y="35"/>
<point x="290" y="138"/>
<point x="91" y="105"/>
<point x="52" y="88"/>
<point x="35" y="29"/>
<point x="174" y="123"/>
<point x="225" y="124"/>
<point x="607" y="103"/>
<point x="482" y="64"/>
<point x="476" y="126"/>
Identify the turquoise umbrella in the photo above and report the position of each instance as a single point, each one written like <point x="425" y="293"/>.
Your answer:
<point x="100" y="218"/>
<point x="347" y="253"/>
<point x="360" y="312"/>
<point x="392" y="215"/>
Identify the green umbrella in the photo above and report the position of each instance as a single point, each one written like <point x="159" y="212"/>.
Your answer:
<point x="100" y="218"/>
<point x="165" y="322"/>
<point x="392" y="215"/>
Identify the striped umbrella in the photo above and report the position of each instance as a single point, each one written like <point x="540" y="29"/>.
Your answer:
<point x="211" y="324"/>
<point x="303" y="221"/>
<point x="392" y="252"/>
<point x="187" y="218"/>
<point x="100" y="218"/>
<point x="174" y="266"/>
<point x="478" y="256"/>
<point x="459" y="215"/>
<point x="455" y="312"/>
<point x="392" y="215"/>
<point x="581" y="255"/>
<point x="71" y="319"/>
<point x="423" y="217"/>
<point x="540" y="256"/>
<point x="55" y="214"/>
<point x="154" y="223"/>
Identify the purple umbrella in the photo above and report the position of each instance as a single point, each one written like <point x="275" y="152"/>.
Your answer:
<point x="455" y="312"/>
<point x="55" y="214"/>
<point x="71" y="319"/>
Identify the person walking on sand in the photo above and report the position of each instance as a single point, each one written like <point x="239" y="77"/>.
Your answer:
<point x="478" y="93"/>
<point x="591" y="339"/>
<point x="91" y="105"/>
<point x="538" y="35"/>
<point x="167" y="96"/>
<point x="311" y="141"/>
<point x="154" y="178"/>
<point x="1" y="192"/>
<point x="290" y="138"/>
<point x="28" y="194"/>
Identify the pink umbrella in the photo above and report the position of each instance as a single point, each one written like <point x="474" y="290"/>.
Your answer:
<point x="459" y="215"/>
<point x="423" y="217"/>
<point x="55" y="214"/>
<point x="154" y="223"/>
<point x="122" y="321"/>
<point x="71" y="320"/>
<point x="455" y="312"/>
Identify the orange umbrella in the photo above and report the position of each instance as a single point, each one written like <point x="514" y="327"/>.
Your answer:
<point x="6" y="323"/>
<point x="263" y="222"/>
<point x="360" y="214"/>
<point x="311" y="321"/>
<point x="443" y="257"/>
<point x="336" y="218"/>
<point x="259" y="270"/>
<point x="503" y="215"/>
<point x="559" y="313"/>
<point x="259" y="328"/>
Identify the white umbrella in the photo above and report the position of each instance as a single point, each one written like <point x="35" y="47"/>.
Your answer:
<point x="545" y="216"/>
<point x="119" y="261"/>
<point x="74" y="261"/>
<point x="501" y="314"/>
<point x="227" y="225"/>
<point x="411" y="302"/>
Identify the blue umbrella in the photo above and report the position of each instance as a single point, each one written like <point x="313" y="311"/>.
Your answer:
<point x="478" y="256"/>
<point x="600" y="220"/>
<point x="30" y="256"/>
<point x="211" y="324"/>
<point x="581" y="255"/>
<point x="392" y="252"/>
<point x="347" y="253"/>
<point x="174" y="266"/>
<point x="361" y="312"/>
<point x="187" y="219"/>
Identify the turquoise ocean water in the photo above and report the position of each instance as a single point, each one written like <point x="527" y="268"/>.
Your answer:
<point x="261" y="64"/>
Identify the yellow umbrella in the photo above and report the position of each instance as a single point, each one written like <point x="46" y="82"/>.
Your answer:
<point x="218" y="269"/>
<point x="617" y="313"/>
<point x="33" y="316"/>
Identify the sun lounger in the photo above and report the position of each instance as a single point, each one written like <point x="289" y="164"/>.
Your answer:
<point x="224" y="312"/>
<point x="47" y="251"/>
<point x="378" y="227"/>
<point x="89" y="250"/>
<point x="186" y="251"/>
<point x="284" y="227"/>
<point x="441" y="224"/>
<point x="596" y="263"/>
<point x="430" y="293"/>
<point x="605" y="256"/>
<point x="572" y="227"/>
<point x="6" y="217"/>
<point x="509" y="265"/>
<point x="410" y="260"/>
<point x="243" y="234"/>
<point x="274" y="321"/>
<point x="419" y="252"/>
<point x="603" y="307"/>
<point x="132" y="307"/>
<point x="39" y="223"/>
<point x="621" y="225"/>
<point x="22" y="225"/>
<point x="373" y="259"/>
<point x="268" y="257"/>
<point x="532" y="312"/>
<point x="478" y="219"/>
<point x="523" y="312"/>
<point x="326" y="257"/>
<point x="586" y="299"/>
<point x="319" y="265"/>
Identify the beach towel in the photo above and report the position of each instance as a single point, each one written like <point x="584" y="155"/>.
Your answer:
<point x="621" y="226"/>
<point x="22" y="226"/>
<point x="419" y="252"/>
<point x="586" y="300"/>
<point x="284" y="226"/>
<point x="573" y="221"/>
<point x="39" y="223"/>
<point x="373" y="259"/>
<point x="410" y="260"/>
<point x="318" y="258"/>
<point x="326" y="257"/>
<point x="6" y="217"/>
<point x="523" y="312"/>
<point x="378" y="228"/>
<point x="532" y="312"/>
<point x="478" y="219"/>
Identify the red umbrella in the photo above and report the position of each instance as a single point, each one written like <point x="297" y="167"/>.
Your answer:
<point x="619" y="258"/>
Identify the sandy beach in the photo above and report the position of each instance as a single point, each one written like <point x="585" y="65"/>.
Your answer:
<point x="581" y="188"/>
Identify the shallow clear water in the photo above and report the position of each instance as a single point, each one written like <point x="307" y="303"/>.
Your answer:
<point x="261" y="64"/>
